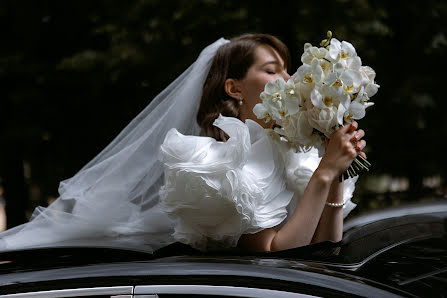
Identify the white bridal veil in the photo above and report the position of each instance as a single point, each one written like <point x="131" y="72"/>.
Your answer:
<point x="113" y="200"/>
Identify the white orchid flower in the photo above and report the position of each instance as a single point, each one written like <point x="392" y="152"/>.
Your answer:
<point x="310" y="74"/>
<point x="371" y="89"/>
<point x="327" y="66"/>
<point x="325" y="63"/>
<point x="328" y="96"/>
<point x="356" y="111"/>
<point x="307" y="77"/>
<point x="357" y="108"/>
<point x="343" y="50"/>
<point x="349" y="79"/>
<point x="273" y="97"/>
<point x="345" y="54"/>
<point x="275" y="88"/>
<point x="293" y="100"/>
<point x="353" y="63"/>
<point x="262" y="112"/>
<point x="279" y="99"/>
<point x="311" y="52"/>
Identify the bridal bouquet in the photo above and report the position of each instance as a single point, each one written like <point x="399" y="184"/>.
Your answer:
<point x="330" y="88"/>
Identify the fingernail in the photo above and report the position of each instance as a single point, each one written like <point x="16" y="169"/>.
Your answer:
<point x="357" y="137"/>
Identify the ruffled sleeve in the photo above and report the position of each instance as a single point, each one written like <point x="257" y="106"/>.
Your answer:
<point x="217" y="191"/>
<point x="300" y="168"/>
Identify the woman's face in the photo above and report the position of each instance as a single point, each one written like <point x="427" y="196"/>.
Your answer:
<point x="268" y="66"/>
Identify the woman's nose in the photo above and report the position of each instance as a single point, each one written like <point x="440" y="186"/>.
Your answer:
<point x="285" y="75"/>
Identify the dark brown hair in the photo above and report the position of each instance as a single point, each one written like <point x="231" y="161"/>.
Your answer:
<point x="232" y="60"/>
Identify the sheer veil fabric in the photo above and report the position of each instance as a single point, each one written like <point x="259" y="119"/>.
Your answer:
<point x="113" y="200"/>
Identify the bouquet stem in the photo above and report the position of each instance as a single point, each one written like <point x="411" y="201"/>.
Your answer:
<point x="358" y="165"/>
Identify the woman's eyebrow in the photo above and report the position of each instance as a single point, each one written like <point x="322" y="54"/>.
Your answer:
<point x="273" y="62"/>
<point x="270" y="62"/>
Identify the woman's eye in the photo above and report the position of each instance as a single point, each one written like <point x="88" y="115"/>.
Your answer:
<point x="270" y="72"/>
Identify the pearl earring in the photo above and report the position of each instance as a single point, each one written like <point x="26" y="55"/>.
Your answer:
<point x="240" y="100"/>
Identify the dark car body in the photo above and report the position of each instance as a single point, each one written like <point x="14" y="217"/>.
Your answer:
<point x="396" y="252"/>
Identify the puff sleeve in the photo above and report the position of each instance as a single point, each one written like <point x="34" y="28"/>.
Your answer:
<point x="217" y="191"/>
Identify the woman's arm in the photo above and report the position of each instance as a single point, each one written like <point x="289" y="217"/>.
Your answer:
<point x="301" y="227"/>
<point x="330" y="226"/>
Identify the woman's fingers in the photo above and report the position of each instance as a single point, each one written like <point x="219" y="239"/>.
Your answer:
<point x="362" y="154"/>
<point x="344" y="146"/>
<point x="354" y="125"/>
<point x="359" y="134"/>
<point x="349" y="132"/>
<point x="360" y="145"/>
<point x="357" y="138"/>
<point x="348" y="128"/>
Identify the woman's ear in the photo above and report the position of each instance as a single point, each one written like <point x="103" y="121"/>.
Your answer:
<point x="233" y="88"/>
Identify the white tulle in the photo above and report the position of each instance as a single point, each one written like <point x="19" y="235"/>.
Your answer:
<point x="113" y="200"/>
<point x="217" y="191"/>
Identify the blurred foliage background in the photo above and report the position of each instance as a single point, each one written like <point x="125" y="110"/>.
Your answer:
<point x="74" y="73"/>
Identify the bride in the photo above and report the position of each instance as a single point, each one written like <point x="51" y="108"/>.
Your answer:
<point x="159" y="182"/>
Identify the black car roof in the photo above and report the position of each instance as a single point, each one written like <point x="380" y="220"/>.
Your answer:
<point x="362" y="254"/>
<point x="166" y="269"/>
<point x="382" y="230"/>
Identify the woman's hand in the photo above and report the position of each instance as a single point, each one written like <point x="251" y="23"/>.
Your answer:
<point x="308" y="222"/>
<point x="341" y="149"/>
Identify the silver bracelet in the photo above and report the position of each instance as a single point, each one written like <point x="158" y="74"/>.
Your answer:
<point x="335" y="204"/>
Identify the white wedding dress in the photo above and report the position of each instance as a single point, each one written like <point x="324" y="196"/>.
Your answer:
<point x="217" y="191"/>
<point x="157" y="182"/>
